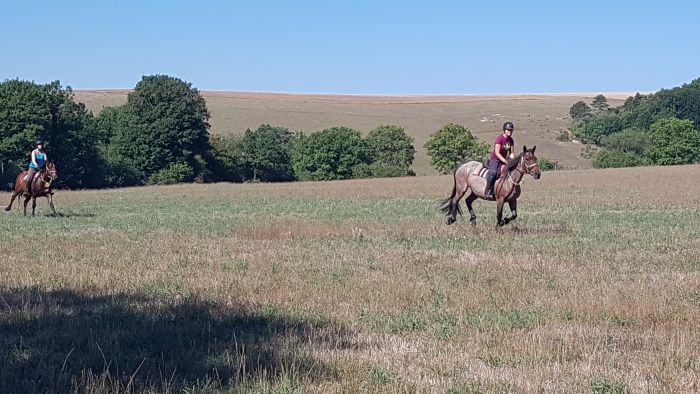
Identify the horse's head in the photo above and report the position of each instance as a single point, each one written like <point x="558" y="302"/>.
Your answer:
<point x="50" y="171"/>
<point x="530" y="162"/>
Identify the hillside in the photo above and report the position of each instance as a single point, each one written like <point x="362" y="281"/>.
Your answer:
<point x="538" y="117"/>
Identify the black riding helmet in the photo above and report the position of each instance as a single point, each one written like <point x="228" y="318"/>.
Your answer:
<point x="508" y="126"/>
<point x="39" y="142"/>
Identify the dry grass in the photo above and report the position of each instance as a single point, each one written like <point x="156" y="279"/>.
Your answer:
<point x="357" y="286"/>
<point x="538" y="117"/>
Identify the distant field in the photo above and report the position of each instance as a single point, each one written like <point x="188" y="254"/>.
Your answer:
<point x="538" y="117"/>
<point x="357" y="286"/>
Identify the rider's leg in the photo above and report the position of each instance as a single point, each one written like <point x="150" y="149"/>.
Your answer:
<point x="493" y="175"/>
<point x="28" y="181"/>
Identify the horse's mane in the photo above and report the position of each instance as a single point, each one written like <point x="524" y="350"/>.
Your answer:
<point x="514" y="162"/>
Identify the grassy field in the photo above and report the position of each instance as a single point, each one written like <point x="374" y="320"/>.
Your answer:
<point x="538" y="118"/>
<point x="357" y="286"/>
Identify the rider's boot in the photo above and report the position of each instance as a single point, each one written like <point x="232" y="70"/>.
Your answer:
<point x="488" y="193"/>
<point x="28" y="188"/>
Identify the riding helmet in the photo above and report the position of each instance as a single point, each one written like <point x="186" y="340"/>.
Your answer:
<point x="508" y="126"/>
<point x="39" y="142"/>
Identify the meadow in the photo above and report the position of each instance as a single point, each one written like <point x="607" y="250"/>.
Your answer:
<point x="539" y="118"/>
<point x="356" y="286"/>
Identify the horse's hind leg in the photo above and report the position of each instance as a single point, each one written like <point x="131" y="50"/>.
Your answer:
<point x="469" y="200"/>
<point x="33" y="206"/>
<point x="12" y="200"/>
<point x="454" y="204"/>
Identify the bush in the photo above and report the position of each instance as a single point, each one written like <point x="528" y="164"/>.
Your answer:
<point x="329" y="154"/>
<point x="383" y="170"/>
<point x="564" y="136"/>
<point x="452" y="145"/>
<point x="614" y="158"/>
<point x="174" y="173"/>
<point x="547" y="165"/>
<point x="227" y="157"/>
<point x="391" y="148"/>
<point x="674" y="141"/>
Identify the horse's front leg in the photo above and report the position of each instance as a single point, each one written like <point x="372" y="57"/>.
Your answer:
<point x="499" y="212"/>
<point x="513" y="211"/>
<point x="33" y="205"/>
<point x="26" y="201"/>
<point x="50" y="198"/>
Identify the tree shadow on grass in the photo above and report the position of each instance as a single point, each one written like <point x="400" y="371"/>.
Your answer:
<point x="60" y="341"/>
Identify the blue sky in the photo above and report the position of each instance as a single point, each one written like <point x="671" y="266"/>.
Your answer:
<point x="356" y="47"/>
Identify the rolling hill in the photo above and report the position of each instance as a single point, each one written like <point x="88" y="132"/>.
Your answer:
<point x="538" y="117"/>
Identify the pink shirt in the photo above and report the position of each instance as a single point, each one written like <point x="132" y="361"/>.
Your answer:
<point x="506" y="146"/>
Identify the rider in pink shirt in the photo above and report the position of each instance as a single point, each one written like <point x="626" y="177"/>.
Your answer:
<point x="502" y="151"/>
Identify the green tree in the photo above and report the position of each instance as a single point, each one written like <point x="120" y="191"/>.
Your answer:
<point x="266" y="153"/>
<point x="579" y="110"/>
<point x="329" y="154"/>
<point x="673" y="141"/>
<point x="600" y="103"/>
<point x="165" y="122"/>
<point x="391" y="151"/>
<point x="227" y="157"/>
<point x="594" y="129"/>
<point x="29" y="111"/>
<point x="452" y="145"/>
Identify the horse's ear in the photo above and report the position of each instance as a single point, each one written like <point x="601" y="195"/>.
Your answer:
<point x="524" y="148"/>
<point x="533" y="148"/>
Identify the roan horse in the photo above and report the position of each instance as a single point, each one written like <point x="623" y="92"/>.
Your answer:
<point x="506" y="188"/>
<point x="41" y="187"/>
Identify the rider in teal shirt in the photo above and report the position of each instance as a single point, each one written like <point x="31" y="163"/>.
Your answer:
<point x="38" y="161"/>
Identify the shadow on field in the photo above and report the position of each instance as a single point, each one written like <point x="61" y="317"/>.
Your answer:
<point x="60" y="341"/>
<point x="70" y="215"/>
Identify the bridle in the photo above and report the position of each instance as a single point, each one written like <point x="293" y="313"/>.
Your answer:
<point x="522" y="172"/>
<point x="50" y="174"/>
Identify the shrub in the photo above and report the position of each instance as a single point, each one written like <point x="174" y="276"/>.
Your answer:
<point x="174" y="173"/>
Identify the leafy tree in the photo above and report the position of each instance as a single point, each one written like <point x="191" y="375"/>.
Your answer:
<point x="266" y="153"/>
<point x="674" y="141"/>
<point x="597" y="127"/>
<point x="328" y="154"/>
<point x="165" y="122"/>
<point x="391" y="151"/>
<point x="227" y="155"/>
<point x="632" y="141"/>
<point x="600" y="103"/>
<point x="452" y="145"/>
<point x="614" y="158"/>
<point x="579" y="110"/>
<point x="29" y="111"/>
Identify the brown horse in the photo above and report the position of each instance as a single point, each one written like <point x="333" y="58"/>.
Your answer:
<point x="506" y="189"/>
<point x="41" y="187"/>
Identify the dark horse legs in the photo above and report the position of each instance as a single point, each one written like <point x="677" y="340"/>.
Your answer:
<point x="469" y="200"/>
<point x="500" y="220"/>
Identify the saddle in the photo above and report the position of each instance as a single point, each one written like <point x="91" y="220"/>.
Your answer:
<point x="483" y="171"/>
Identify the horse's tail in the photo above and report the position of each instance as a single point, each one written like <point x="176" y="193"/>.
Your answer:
<point x="447" y="206"/>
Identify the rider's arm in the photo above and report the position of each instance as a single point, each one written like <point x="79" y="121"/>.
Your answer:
<point x="46" y="158"/>
<point x="34" y="159"/>
<point x="497" y="149"/>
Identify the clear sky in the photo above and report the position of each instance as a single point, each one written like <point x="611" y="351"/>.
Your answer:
<point x="357" y="47"/>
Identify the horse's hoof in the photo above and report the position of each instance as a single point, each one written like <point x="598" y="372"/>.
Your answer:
<point x="450" y="221"/>
<point x="7" y="209"/>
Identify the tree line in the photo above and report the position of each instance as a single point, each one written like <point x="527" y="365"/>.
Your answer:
<point x="161" y="136"/>
<point x="654" y="129"/>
